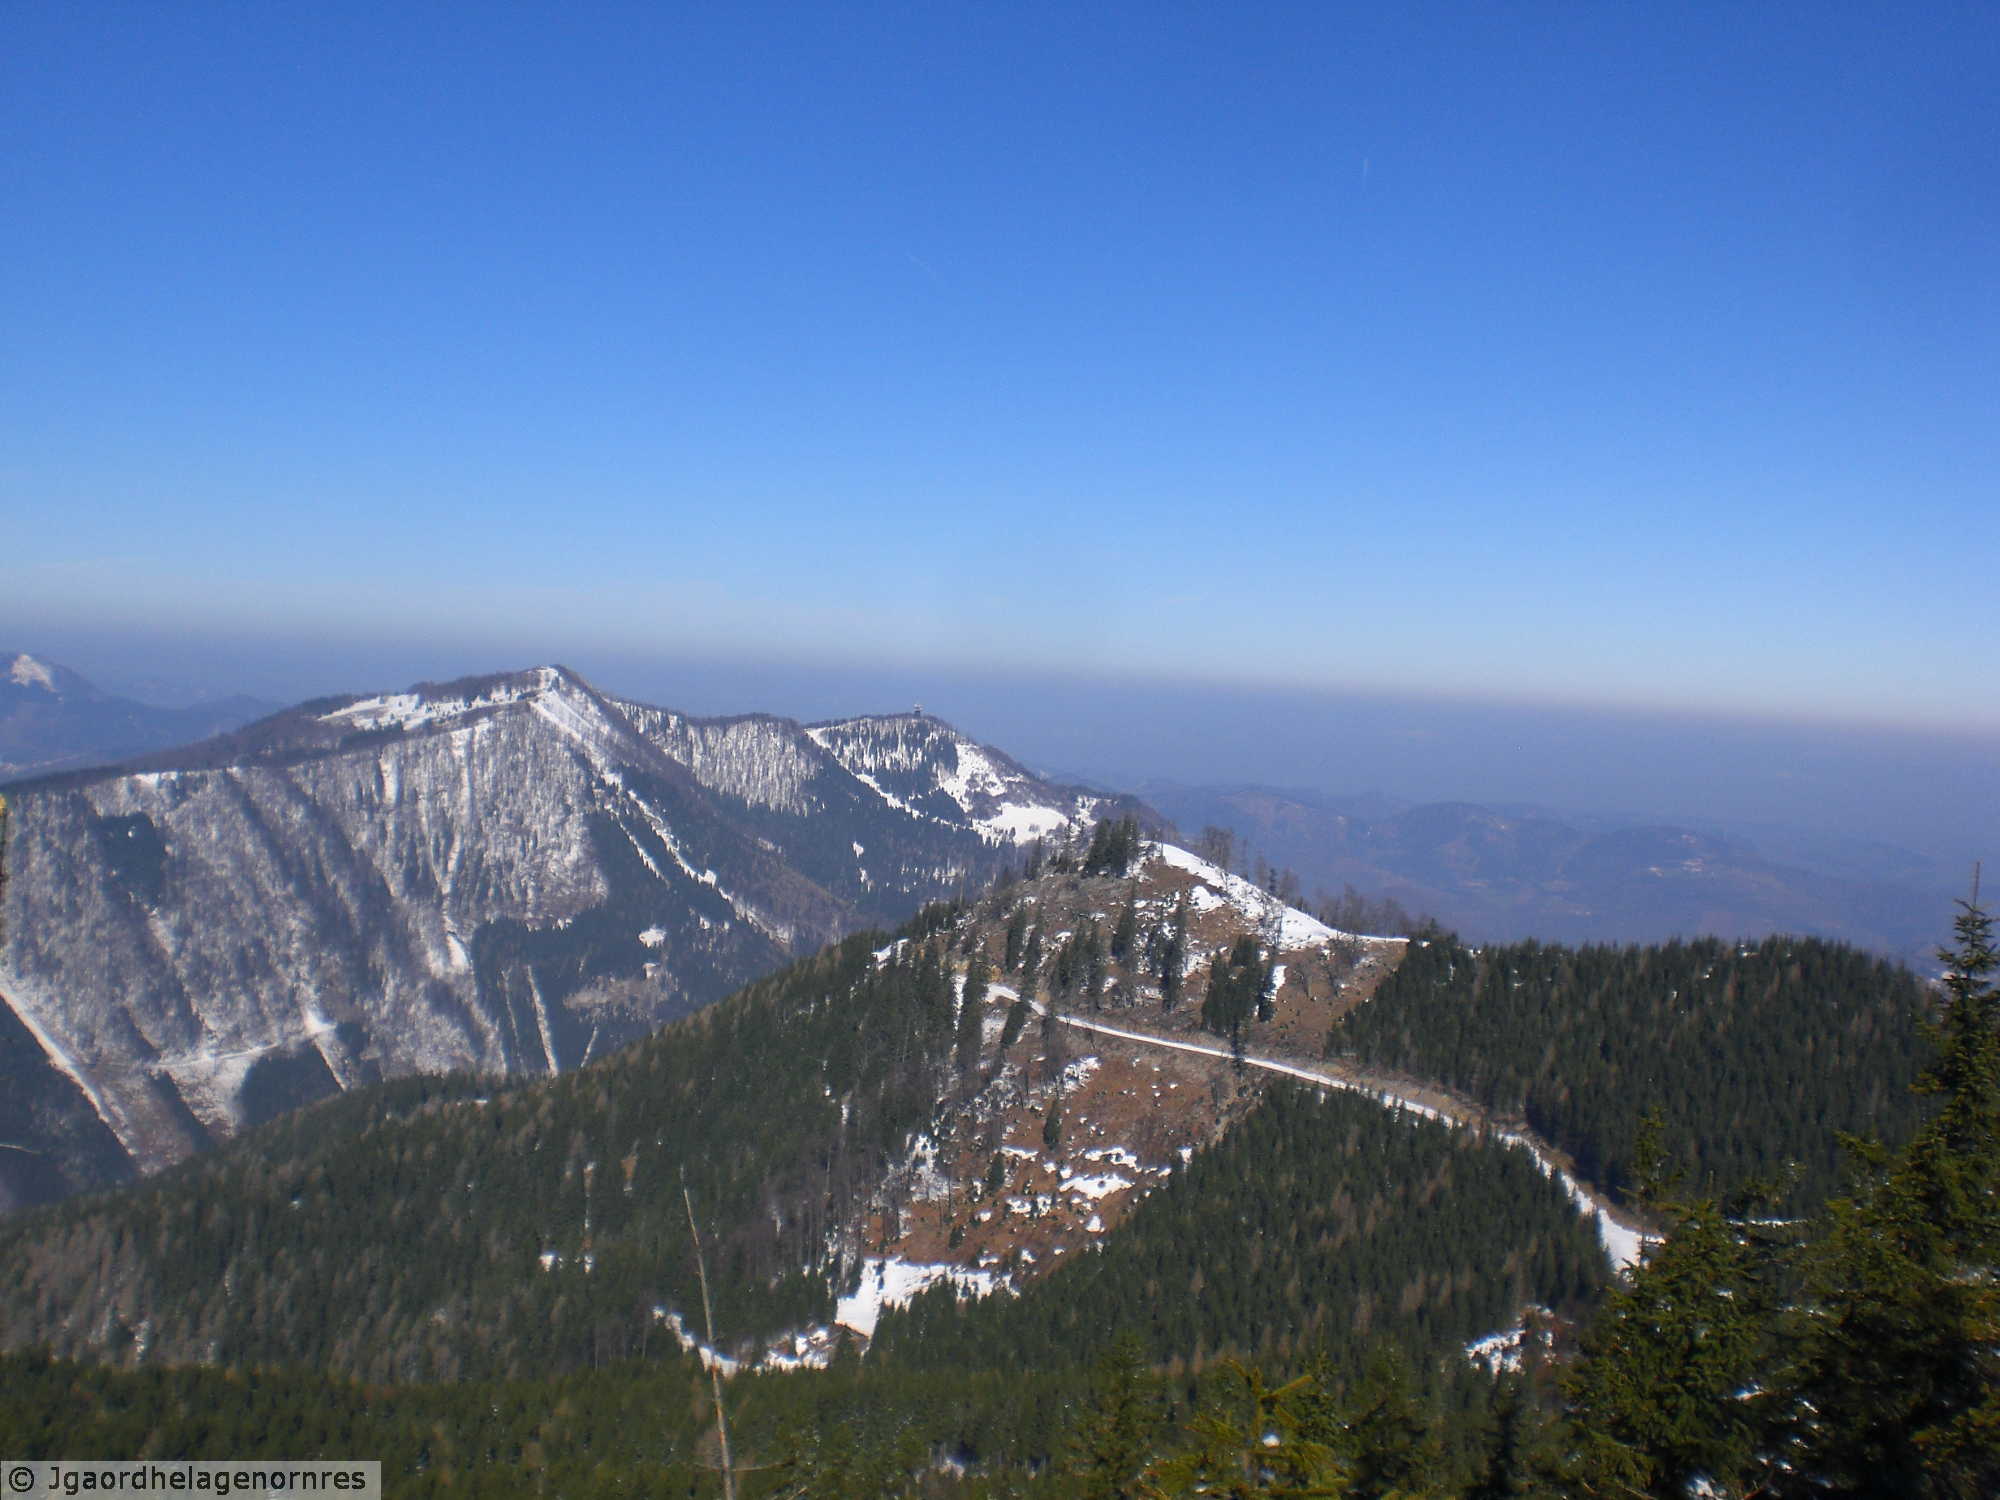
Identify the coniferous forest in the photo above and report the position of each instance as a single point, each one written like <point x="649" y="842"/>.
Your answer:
<point x="462" y="1277"/>
<point x="1756" y="1056"/>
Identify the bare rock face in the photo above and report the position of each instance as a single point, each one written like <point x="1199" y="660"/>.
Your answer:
<point x="509" y="874"/>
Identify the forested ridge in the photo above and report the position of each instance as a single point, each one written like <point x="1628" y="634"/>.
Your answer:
<point x="1321" y="1219"/>
<point x="456" y="1227"/>
<point x="1756" y="1056"/>
<point x="1285" y="1315"/>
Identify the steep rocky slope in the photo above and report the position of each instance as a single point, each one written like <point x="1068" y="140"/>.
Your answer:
<point x="857" y="1127"/>
<point x="507" y="874"/>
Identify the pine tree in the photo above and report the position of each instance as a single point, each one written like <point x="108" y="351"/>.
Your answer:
<point x="1235" y="985"/>
<point x="1519" y="1452"/>
<point x="1174" y="959"/>
<point x="1093" y="965"/>
<point x="1898" y="1388"/>
<point x="1016" y="1023"/>
<point x="1110" y="1443"/>
<point x="1659" y="1390"/>
<point x="1017" y="935"/>
<point x="1126" y="931"/>
<point x="1392" y="1447"/>
<point x="1031" y="960"/>
<point x="971" y="1015"/>
<point x="1245" y="1441"/>
<point x="1114" y="843"/>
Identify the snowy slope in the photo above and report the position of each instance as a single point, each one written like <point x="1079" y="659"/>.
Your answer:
<point x="924" y="768"/>
<point x="512" y="874"/>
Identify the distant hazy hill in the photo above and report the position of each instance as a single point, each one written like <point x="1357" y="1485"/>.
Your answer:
<point x="1500" y="875"/>
<point x="508" y="874"/>
<point x="51" y="719"/>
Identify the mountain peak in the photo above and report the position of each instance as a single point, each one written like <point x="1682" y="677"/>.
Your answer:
<point x="27" y="672"/>
<point x="39" y="675"/>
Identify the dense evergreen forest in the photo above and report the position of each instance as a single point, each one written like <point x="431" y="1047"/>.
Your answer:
<point x="1755" y="1056"/>
<point x="1284" y="1316"/>
<point x="1320" y="1220"/>
<point x="857" y="1431"/>
<point x="455" y="1227"/>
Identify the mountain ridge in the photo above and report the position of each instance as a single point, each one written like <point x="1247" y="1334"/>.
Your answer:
<point x="505" y="872"/>
<point x="53" y="718"/>
<point x="976" y="1102"/>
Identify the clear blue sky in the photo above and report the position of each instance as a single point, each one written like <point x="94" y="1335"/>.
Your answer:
<point x="1593" y="354"/>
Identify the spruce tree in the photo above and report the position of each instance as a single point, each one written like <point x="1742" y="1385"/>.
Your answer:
<point x="1031" y="962"/>
<point x="1174" y="959"/>
<point x="1659" y="1391"/>
<point x="1110" y="1443"/>
<point x="971" y="1015"/>
<point x="1017" y="936"/>
<point x="1126" y="931"/>
<point x="1898" y="1387"/>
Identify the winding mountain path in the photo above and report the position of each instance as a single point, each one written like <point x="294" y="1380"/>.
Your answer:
<point x="1623" y="1242"/>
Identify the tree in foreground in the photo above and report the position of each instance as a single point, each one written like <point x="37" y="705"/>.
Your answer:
<point x="1249" y="1439"/>
<point x="1112" y="1440"/>
<point x="1864" y="1361"/>
<point x="1897" y="1387"/>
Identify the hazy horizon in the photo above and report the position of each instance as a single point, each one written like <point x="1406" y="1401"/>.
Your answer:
<point x="1932" y="793"/>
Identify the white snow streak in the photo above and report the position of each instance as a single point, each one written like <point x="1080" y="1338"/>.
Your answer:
<point x="28" y="672"/>
<point x="889" y="1281"/>
<point x="542" y="1022"/>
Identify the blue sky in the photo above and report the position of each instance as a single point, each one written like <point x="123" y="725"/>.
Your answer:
<point x="1622" y="356"/>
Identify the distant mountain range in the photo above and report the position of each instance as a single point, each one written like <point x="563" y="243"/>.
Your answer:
<point x="51" y="719"/>
<point x="1501" y="874"/>
<point x="516" y="873"/>
<point x="508" y="874"/>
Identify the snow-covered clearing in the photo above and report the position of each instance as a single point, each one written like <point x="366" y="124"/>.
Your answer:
<point x="1219" y="888"/>
<point x="889" y="1281"/>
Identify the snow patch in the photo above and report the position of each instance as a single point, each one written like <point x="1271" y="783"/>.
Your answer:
<point x="889" y="1281"/>
<point x="1022" y="822"/>
<point x="1094" y="1188"/>
<point x="412" y="711"/>
<point x="542" y="1022"/>
<point x="1077" y="1072"/>
<point x="1218" y="888"/>
<point x="1504" y="1350"/>
<point x="27" y="672"/>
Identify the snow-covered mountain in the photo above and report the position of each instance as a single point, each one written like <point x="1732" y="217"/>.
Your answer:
<point x="508" y="874"/>
<point x="52" y="719"/>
